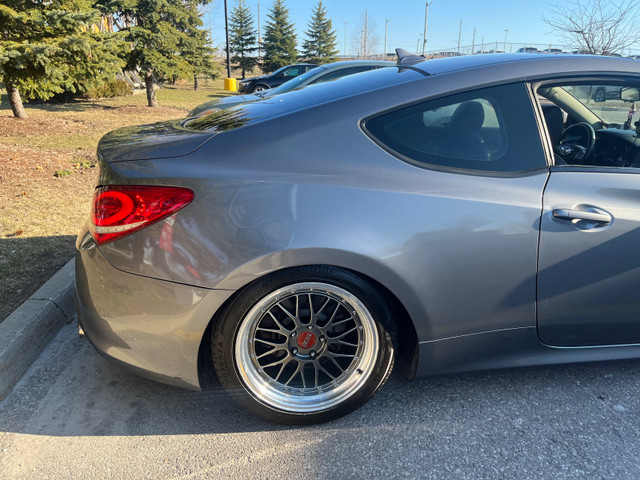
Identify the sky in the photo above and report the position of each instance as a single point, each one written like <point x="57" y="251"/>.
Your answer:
<point x="490" y="18"/>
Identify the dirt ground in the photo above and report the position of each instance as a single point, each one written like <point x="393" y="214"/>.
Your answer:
<point x="48" y="173"/>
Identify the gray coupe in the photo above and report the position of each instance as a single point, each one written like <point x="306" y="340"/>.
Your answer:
<point x="450" y="215"/>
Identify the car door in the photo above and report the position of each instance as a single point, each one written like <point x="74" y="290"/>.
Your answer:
<point x="589" y="265"/>
<point x="589" y="259"/>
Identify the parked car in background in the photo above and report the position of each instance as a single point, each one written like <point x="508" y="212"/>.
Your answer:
<point x="597" y="93"/>
<point x="446" y="215"/>
<point x="321" y="74"/>
<point x="275" y="79"/>
<point x="528" y="50"/>
<point x="553" y="51"/>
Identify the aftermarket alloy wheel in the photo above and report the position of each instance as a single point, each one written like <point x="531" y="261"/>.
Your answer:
<point x="307" y="347"/>
<point x="259" y="88"/>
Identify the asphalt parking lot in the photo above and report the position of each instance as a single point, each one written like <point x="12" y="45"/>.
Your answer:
<point x="73" y="415"/>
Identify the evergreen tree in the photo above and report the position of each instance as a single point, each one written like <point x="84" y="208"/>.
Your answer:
<point x="279" y="38"/>
<point x="159" y="32"/>
<point x="242" y="37"/>
<point x="51" y="47"/>
<point x="320" y="46"/>
<point x="199" y="54"/>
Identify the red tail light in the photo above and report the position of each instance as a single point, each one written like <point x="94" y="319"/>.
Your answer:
<point x="121" y="210"/>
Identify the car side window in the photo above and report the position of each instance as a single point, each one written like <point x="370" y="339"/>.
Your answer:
<point x="292" y="72"/>
<point x="492" y="130"/>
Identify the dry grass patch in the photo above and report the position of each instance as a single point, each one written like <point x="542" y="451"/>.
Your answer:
<point x="48" y="173"/>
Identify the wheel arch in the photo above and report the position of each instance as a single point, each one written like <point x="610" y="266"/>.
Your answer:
<point x="397" y="293"/>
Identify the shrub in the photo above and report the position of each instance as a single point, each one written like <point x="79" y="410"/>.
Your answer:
<point x="115" y="88"/>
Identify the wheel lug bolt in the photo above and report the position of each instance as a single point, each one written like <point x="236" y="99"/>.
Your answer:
<point x="294" y="350"/>
<point x="293" y="335"/>
<point x="313" y="354"/>
<point x="322" y="339"/>
<point x="310" y="327"/>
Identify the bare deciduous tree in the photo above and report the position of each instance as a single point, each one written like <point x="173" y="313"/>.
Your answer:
<point x="365" y="37"/>
<point x="599" y="27"/>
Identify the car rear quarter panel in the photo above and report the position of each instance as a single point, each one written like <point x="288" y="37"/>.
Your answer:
<point x="312" y="188"/>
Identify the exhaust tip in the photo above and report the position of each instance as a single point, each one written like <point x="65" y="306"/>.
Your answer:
<point x="81" y="331"/>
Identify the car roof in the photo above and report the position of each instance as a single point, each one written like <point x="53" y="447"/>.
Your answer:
<point x="520" y="65"/>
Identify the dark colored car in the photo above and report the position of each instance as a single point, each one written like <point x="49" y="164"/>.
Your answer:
<point x="444" y="216"/>
<point x="277" y="78"/>
<point x="324" y="73"/>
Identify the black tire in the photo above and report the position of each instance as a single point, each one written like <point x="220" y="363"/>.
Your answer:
<point x="600" y="95"/>
<point x="259" y="88"/>
<point x="338" y="363"/>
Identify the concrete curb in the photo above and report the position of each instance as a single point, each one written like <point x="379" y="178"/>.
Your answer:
<point x="25" y="333"/>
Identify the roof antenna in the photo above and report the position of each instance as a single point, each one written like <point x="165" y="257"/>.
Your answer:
<point x="408" y="58"/>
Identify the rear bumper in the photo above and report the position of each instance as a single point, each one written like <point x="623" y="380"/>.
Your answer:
<point x="153" y="327"/>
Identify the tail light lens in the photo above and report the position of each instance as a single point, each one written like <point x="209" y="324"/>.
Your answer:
<point x="121" y="210"/>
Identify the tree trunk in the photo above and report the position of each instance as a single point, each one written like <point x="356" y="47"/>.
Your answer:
<point x="151" y="93"/>
<point x="15" y="101"/>
<point x="195" y="82"/>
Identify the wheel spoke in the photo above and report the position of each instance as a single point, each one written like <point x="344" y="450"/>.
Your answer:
<point x="293" y="374"/>
<point x="322" y="307"/>
<point x="329" y="355"/>
<point x="284" y="364"/>
<point x="273" y="350"/>
<point x="266" y="342"/>
<point x="288" y="313"/>
<point x="316" y="371"/>
<point x="310" y="309"/>
<point x="347" y="332"/>
<point x="273" y="364"/>
<point x="335" y="324"/>
<point x="326" y="372"/>
<point x="281" y="328"/>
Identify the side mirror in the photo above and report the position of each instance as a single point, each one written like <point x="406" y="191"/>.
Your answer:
<point x="630" y="94"/>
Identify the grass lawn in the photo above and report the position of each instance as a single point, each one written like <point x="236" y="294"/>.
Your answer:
<point x="47" y="177"/>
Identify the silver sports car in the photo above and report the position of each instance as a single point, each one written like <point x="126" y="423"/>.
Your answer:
<point x="446" y="215"/>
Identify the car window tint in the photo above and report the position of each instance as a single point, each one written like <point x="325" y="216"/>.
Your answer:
<point x="293" y="72"/>
<point x="492" y="129"/>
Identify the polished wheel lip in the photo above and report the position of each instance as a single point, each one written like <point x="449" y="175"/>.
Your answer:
<point x="294" y="400"/>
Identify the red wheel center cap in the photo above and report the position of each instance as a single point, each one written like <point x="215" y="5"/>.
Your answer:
<point x="306" y="340"/>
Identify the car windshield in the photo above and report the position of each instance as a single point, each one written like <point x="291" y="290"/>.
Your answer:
<point x="604" y="101"/>
<point x="294" y="83"/>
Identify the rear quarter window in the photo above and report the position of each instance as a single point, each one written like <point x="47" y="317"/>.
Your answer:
<point x="490" y="130"/>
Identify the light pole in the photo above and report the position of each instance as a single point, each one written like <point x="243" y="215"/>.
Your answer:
<point x="226" y="29"/>
<point x="426" y="11"/>
<point x="345" y="38"/>
<point x="506" y="30"/>
<point x="386" y="23"/>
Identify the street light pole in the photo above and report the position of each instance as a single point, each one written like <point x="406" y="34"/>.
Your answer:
<point x="345" y="38"/>
<point x="506" y="30"/>
<point x="226" y="29"/>
<point x="426" y="12"/>
<point x="386" y="23"/>
<point x="259" y="35"/>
